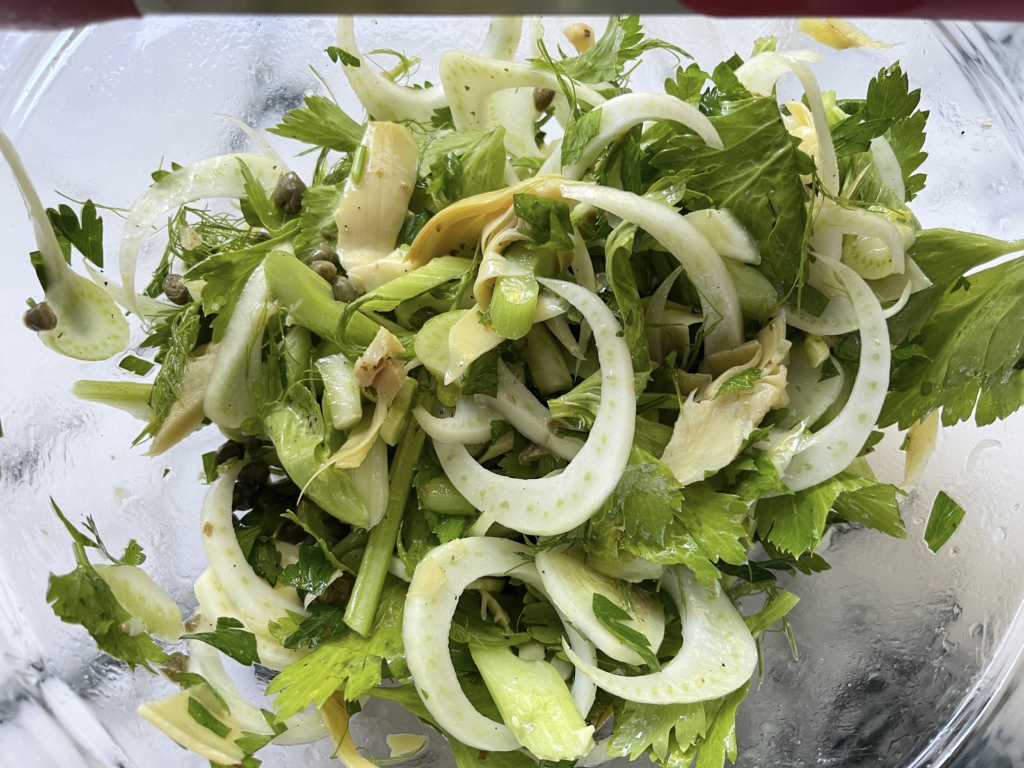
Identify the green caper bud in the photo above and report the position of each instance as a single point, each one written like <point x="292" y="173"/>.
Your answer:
<point x="41" y="317"/>
<point x="325" y="269"/>
<point x="343" y="289"/>
<point x="175" y="290"/>
<point x="325" y="252"/>
<point x="542" y="98"/>
<point x="338" y="591"/>
<point x="254" y="473"/>
<point x="230" y="450"/>
<point x="288" y="193"/>
<point x="420" y="316"/>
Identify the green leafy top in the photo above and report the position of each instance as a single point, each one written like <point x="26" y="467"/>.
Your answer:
<point x="321" y="123"/>
<point x="83" y="597"/>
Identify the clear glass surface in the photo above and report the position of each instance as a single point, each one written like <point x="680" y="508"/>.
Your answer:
<point x="906" y="658"/>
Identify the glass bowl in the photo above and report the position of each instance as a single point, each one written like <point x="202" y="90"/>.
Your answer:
<point x="906" y="658"/>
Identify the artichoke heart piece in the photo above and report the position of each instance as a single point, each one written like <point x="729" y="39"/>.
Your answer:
<point x="376" y="196"/>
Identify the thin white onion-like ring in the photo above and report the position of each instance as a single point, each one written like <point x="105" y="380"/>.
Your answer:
<point x="552" y="505"/>
<point x="528" y="415"/>
<point x="717" y="657"/>
<point x="387" y="100"/>
<point x="471" y="423"/>
<point x="901" y="302"/>
<point x="704" y="267"/>
<point x="219" y="176"/>
<point x="830" y="450"/>
<point x="214" y="603"/>
<point x="440" y="578"/>
<point x="205" y="660"/>
<point x="254" y="598"/>
<point x="621" y="113"/>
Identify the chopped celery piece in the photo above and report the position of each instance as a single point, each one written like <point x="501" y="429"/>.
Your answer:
<point x="138" y="594"/>
<point x="298" y="349"/>
<point x="512" y="306"/>
<point x="308" y="300"/>
<point x="398" y="414"/>
<point x="439" y="495"/>
<point x="543" y="356"/>
<point x="757" y="296"/>
<point x="129" y="396"/>
<point x="297" y="430"/>
<point x="534" y="703"/>
<point x="431" y="344"/>
<point x="341" y="390"/>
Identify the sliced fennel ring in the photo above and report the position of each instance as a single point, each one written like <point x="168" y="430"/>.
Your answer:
<point x="439" y="580"/>
<point x="572" y="587"/>
<point x="255" y="598"/>
<point x="470" y="424"/>
<point x="831" y="449"/>
<point x="552" y="505"/>
<point x="704" y="267"/>
<point x="717" y="657"/>
<point x="621" y="113"/>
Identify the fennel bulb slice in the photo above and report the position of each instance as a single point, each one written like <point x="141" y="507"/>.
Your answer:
<point x="470" y="424"/>
<point x="136" y="591"/>
<point x="553" y="505"/>
<point x="703" y="266"/>
<point x="831" y="449"/>
<point x="572" y="586"/>
<point x="717" y="657"/>
<point x="89" y="324"/>
<point x="442" y="575"/>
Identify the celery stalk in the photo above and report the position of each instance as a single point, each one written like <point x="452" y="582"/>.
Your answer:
<point x="512" y="306"/>
<point x="307" y="298"/>
<point x="544" y="358"/>
<point x="129" y="396"/>
<point x="398" y="414"/>
<point x="362" y="606"/>
<point x="439" y="495"/>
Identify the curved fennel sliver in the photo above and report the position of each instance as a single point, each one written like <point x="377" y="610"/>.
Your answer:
<point x="621" y="113"/>
<point x="433" y="594"/>
<point x="704" y="267"/>
<point x="791" y="60"/>
<point x="205" y="660"/>
<point x="214" y="603"/>
<point x="838" y="316"/>
<point x="387" y="100"/>
<point x="219" y="176"/>
<point x="470" y="424"/>
<point x="254" y="598"/>
<point x="528" y="415"/>
<point x="551" y="505"/>
<point x="831" y="449"/>
<point x="809" y="397"/>
<point x="89" y="324"/>
<point x="228" y="401"/>
<point x="469" y="81"/>
<point x="717" y="657"/>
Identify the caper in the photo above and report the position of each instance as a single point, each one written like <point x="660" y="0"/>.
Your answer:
<point x="343" y="289"/>
<point x="288" y="193"/>
<point x="175" y="290"/>
<point x="291" y="533"/>
<point x="230" y="450"/>
<point x="324" y="252"/>
<point x="338" y="591"/>
<point x="325" y="269"/>
<point x="41" y="317"/>
<point x="254" y="473"/>
<point x="420" y="316"/>
<point x="542" y="98"/>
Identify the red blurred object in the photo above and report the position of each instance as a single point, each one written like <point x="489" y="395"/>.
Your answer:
<point x="974" y="10"/>
<point x="62" y="13"/>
